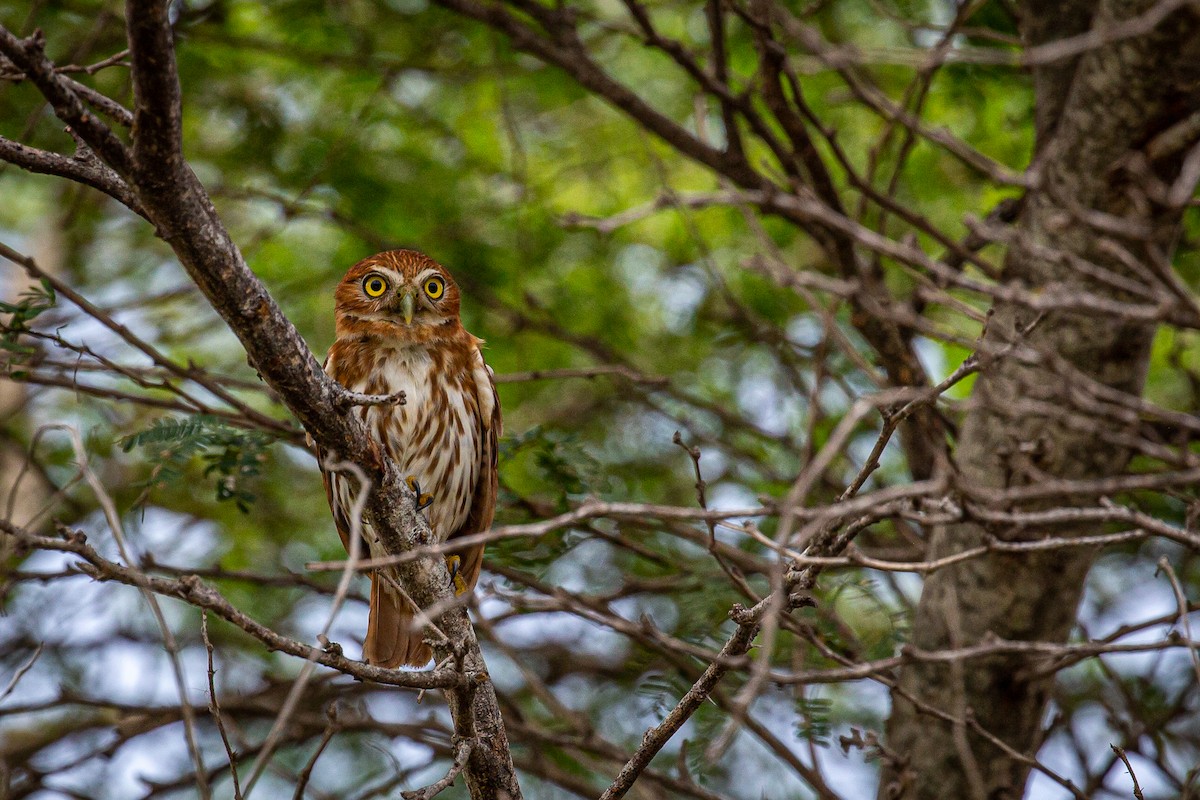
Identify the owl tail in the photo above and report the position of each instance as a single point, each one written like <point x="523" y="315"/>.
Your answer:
<point x="391" y="642"/>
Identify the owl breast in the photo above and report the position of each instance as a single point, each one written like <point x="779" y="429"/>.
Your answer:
<point x="435" y="436"/>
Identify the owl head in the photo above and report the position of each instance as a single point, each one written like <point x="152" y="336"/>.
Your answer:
<point x="399" y="294"/>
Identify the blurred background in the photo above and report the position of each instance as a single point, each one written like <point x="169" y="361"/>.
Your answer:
<point x="616" y="313"/>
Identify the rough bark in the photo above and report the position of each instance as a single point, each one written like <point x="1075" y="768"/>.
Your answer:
<point x="1096" y="113"/>
<point x="153" y="173"/>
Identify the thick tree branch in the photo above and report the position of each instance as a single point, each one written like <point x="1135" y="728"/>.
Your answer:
<point x="1037" y="482"/>
<point x="29" y="55"/>
<point x="82" y="168"/>
<point x="1042" y="23"/>
<point x="1121" y="96"/>
<point x="178" y="206"/>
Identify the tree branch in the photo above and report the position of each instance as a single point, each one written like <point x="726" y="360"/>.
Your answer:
<point x="29" y="55"/>
<point x="177" y="204"/>
<point x="653" y="740"/>
<point x="195" y="592"/>
<point x="79" y="168"/>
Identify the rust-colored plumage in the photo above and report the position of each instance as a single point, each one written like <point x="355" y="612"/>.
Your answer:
<point x="398" y="330"/>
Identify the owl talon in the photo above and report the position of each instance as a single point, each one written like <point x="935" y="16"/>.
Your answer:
<point x="454" y="564"/>
<point x="424" y="499"/>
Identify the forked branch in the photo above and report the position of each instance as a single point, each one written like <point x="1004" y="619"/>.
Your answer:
<point x="163" y="186"/>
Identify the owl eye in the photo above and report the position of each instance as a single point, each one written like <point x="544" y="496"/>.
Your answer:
<point x="435" y="287"/>
<point x="374" y="285"/>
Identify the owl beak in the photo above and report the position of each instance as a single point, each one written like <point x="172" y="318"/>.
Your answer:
<point x="407" y="306"/>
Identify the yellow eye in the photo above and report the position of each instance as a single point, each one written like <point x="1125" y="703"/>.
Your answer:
<point x="374" y="286"/>
<point x="435" y="287"/>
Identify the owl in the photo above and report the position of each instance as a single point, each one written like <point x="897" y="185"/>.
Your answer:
<point x="398" y="331"/>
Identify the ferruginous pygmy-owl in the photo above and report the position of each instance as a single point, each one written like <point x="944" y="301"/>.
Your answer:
<point x="398" y="331"/>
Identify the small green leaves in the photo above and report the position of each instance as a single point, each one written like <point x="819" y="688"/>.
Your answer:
<point x="813" y="719"/>
<point x="230" y="454"/>
<point x="32" y="302"/>
<point x="560" y="460"/>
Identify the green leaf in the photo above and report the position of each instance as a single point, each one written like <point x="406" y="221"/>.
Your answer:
<point x="231" y="455"/>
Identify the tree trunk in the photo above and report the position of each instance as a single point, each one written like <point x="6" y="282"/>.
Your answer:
<point x="1032" y="414"/>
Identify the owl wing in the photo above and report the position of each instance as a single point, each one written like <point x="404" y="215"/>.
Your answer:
<point x="483" y="501"/>
<point x="340" y="521"/>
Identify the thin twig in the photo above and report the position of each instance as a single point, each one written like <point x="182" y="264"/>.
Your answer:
<point x="193" y="591"/>
<point x="169" y="641"/>
<point x="1184" y="617"/>
<point x="339" y="596"/>
<point x="462" y="752"/>
<point x="330" y="731"/>
<point x="654" y="738"/>
<point x="731" y="571"/>
<point x="214" y="706"/>
<point x="614" y="370"/>
<point x="1120" y="751"/>
<point x="21" y="670"/>
<point x="191" y="373"/>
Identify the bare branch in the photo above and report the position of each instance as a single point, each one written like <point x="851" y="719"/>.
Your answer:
<point x="214" y="707"/>
<point x="29" y="56"/>
<point x="1164" y="565"/>
<point x="169" y="641"/>
<point x="654" y="739"/>
<point x="195" y="592"/>
<point x="21" y="670"/>
<point x="462" y="752"/>
<point x="80" y="168"/>
<point x="1137" y="790"/>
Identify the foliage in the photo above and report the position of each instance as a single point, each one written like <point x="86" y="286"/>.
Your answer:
<point x="326" y="132"/>
<point x="231" y="456"/>
<point x="31" y="303"/>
